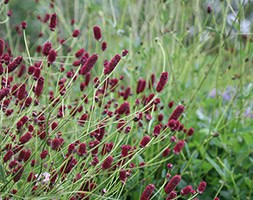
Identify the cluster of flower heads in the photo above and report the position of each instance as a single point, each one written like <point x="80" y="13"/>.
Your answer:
<point x="170" y="189"/>
<point x="100" y="108"/>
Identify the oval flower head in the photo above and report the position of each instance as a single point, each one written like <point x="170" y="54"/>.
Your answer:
<point x="3" y="93"/>
<point x="1" y="47"/>
<point x="51" y="56"/>
<point x="145" y="140"/>
<point x="178" y="147"/>
<point x="201" y="187"/>
<point x="53" y="22"/>
<point x="172" y="195"/>
<point x="107" y="163"/>
<point x="162" y="82"/>
<point x="97" y="33"/>
<point x="8" y="156"/>
<point x="187" y="190"/>
<point x="177" y="112"/>
<point x="147" y="192"/>
<point x="39" y="87"/>
<point x="88" y="65"/>
<point x="112" y="64"/>
<point x="14" y="64"/>
<point x="172" y="184"/>
<point x="46" y="48"/>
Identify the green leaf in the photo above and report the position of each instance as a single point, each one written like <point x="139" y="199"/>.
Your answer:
<point x="249" y="182"/>
<point x="2" y="176"/>
<point x="216" y="166"/>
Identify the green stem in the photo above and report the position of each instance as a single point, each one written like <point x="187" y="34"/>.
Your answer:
<point x="27" y="49"/>
<point x="163" y="53"/>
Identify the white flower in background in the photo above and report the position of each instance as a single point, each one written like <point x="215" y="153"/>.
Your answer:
<point x="43" y="178"/>
<point x="245" y="27"/>
<point x="202" y="116"/>
<point x="191" y="31"/>
<point x="231" y="19"/>
<point x="205" y="35"/>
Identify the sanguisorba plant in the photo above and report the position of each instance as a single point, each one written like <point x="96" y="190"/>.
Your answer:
<point x="71" y="129"/>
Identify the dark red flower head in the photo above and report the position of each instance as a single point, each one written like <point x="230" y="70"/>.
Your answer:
<point x="43" y="154"/>
<point x="107" y="163"/>
<point x="3" y="93"/>
<point x="190" y="132"/>
<point x="88" y="65"/>
<point x="56" y="143"/>
<point x="46" y="48"/>
<point x="187" y="190"/>
<point x="123" y="175"/>
<point x="39" y="86"/>
<point x="103" y="46"/>
<point x="170" y="104"/>
<point x="23" y="25"/>
<point x="178" y="147"/>
<point x="177" y="112"/>
<point x="76" y="33"/>
<point x="79" y="53"/>
<point x="201" y="187"/>
<point x="124" y="108"/>
<point x="162" y="82"/>
<point x="21" y="71"/>
<point x="172" y="184"/>
<point x="97" y="33"/>
<point x="147" y="192"/>
<point x="8" y="156"/>
<point x="1" y="68"/>
<point x="14" y="64"/>
<point x="124" y="150"/>
<point x="172" y="195"/>
<point x="157" y="130"/>
<point x="145" y="140"/>
<point x="124" y="53"/>
<point x="53" y="22"/>
<point x="1" y="47"/>
<point x="22" y="92"/>
<point x="17" y="172"/>
<point x="140" y="85"/>
<point x="112" y="64"/>
<point x="25" y="138"/>
<point x="82" y="149"/>
<point x="51" y="56"/>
